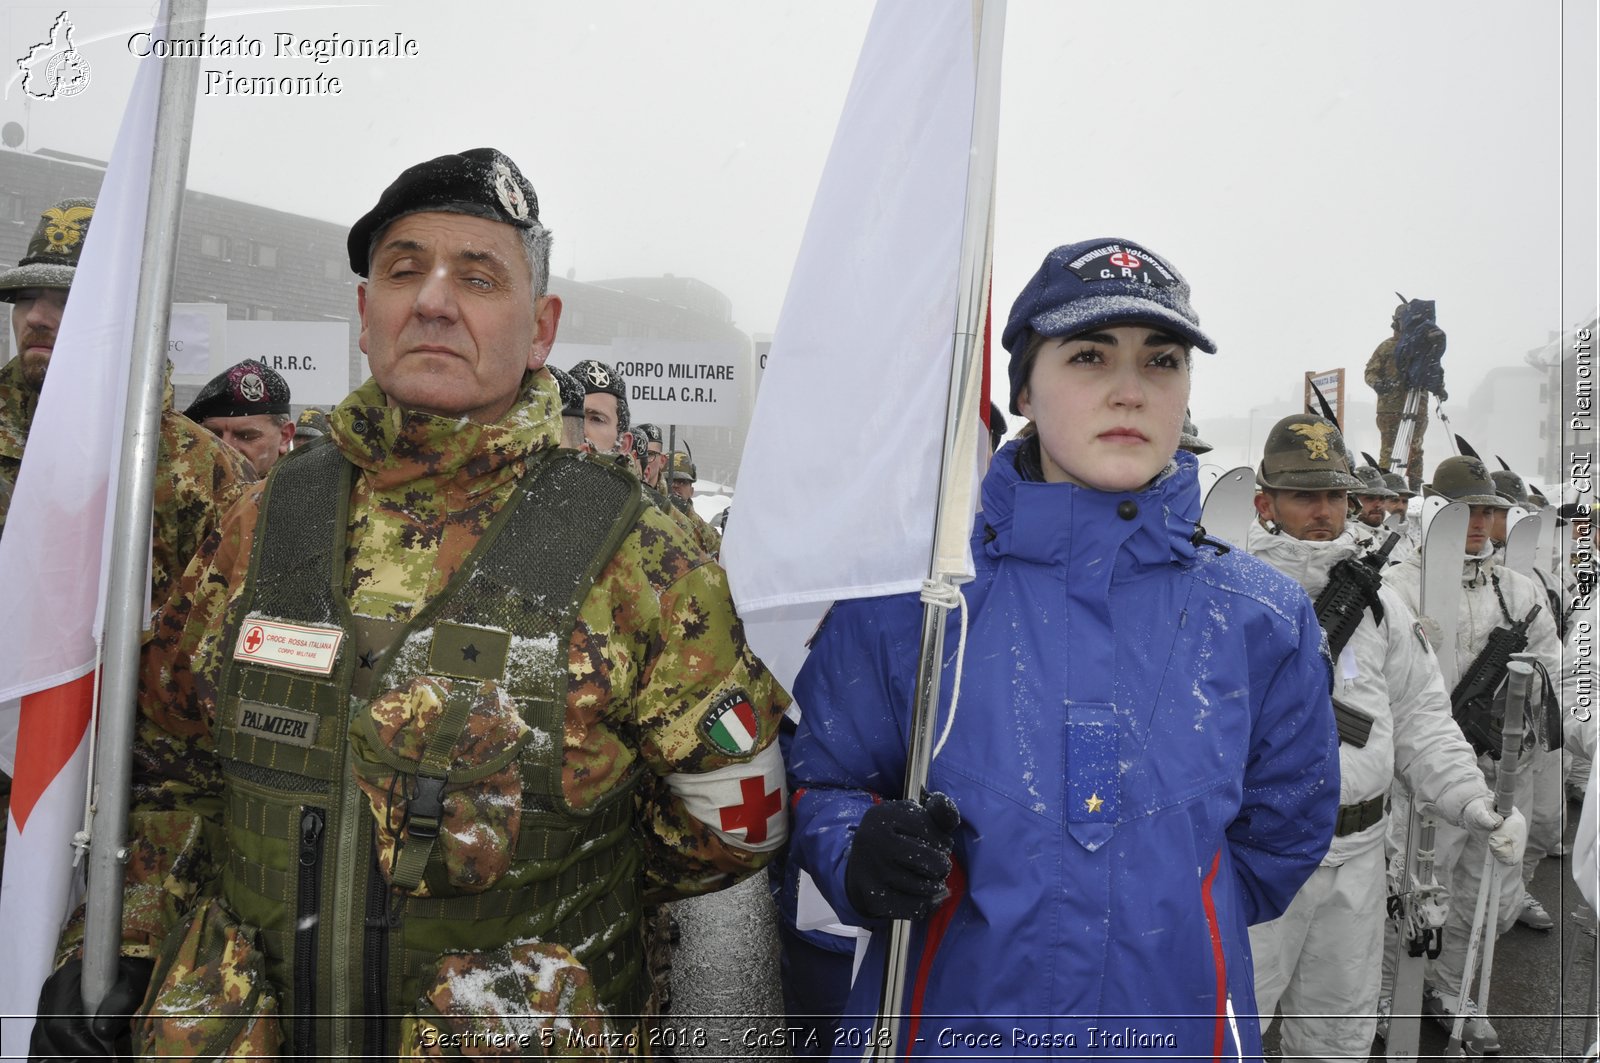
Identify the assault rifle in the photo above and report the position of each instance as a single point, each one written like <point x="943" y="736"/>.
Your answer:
<point x="1352" y="587"/>
<point x="1472" y="702"/>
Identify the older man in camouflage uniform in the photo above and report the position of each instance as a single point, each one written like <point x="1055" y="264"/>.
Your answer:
<point x="197" y="478"/>
<point x="247" y="407"/>
<point x="444" y="704"/>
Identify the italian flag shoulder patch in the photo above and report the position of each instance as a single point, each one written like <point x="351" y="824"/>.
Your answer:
<point x="729" y="725"/>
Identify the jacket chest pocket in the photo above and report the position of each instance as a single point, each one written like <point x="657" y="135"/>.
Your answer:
<point x="438" y="761"/>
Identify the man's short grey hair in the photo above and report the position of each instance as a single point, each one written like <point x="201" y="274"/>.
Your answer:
<point x="280" y="419"/>
<point x="535" y="244"/>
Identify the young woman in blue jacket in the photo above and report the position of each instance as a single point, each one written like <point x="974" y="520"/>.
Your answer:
<point x="1143" y="759"/>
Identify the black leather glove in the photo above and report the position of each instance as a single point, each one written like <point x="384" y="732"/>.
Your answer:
<point x="62" y="1031"/>
<point x="900" y="858"/>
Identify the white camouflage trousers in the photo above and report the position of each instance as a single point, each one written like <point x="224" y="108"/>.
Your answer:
<point x="1463" y="855"/>
<point x="1321" y="959"/>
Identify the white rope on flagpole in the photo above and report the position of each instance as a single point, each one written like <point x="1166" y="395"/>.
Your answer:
<point x="988" y="21"/>
<point x="81" y="838"/>
<point x="948" y="596"/>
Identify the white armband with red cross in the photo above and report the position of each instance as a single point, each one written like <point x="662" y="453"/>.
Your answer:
<point x="743" y="804"/>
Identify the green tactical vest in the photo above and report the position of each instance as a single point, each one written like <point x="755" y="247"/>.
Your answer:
<point x="349" y="954"/>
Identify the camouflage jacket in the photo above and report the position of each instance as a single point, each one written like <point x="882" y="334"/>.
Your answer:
<point x="656" y="652"/>
<point x="704" y="534"/>
<point x="197" y="477"/>
<point x="1383" y="377"/>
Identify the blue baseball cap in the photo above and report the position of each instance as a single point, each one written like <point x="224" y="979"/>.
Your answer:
<point x="1099" y="282"/>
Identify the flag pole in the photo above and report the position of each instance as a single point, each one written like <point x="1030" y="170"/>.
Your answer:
<point x="953" y="511"/>
<point x="128" y="587"/>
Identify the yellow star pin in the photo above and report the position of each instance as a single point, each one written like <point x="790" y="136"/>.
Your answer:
<point x="1094" y="803"/>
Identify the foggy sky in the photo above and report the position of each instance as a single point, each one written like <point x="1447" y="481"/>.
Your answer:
<point x="1298" y="162"/>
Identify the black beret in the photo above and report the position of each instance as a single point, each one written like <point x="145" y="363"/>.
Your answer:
<point x="244" y="390"/>
<point x="598" y="378"/>
<point x="571" y="392"/>
<point x="482" y="182"/>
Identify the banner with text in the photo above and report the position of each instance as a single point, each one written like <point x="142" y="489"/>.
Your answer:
<point x="312" y="356"/>
<point x="687" y="382"/>
<point x="1331" y="383"/>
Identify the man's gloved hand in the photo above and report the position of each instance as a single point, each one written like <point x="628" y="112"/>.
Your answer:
<point x="62" y="1031"/>
<point x="1508" y="835"/>
<point x="900" y="858"/>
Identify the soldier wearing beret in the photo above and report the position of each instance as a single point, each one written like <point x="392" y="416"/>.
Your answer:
<point x="197" y="478"/>
<point x="442" y="707"/>
<point x="605" y="404"/>
<point x="572" y="414"/>
<point x="247" y="407"/>
<point x="648" y="442"/>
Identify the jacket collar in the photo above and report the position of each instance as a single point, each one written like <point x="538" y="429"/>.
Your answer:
<point x="19" y="403"/>
<point x="1054" y="523"/>
<point x="1307" y="563"/>
<point x="1477" y="568"/>
<point x="393" y="446"/>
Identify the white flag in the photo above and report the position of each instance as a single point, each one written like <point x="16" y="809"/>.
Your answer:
<point x="839" y="480"/>
<point x="53" y="566"/>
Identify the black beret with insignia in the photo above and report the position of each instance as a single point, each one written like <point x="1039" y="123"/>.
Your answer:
<point x="243" y="390"/>
<point x="598" y="378"/>
<point x="483" y="182"/>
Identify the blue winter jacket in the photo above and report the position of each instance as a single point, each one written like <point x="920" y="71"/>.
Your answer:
<point x="1145" y="761"/>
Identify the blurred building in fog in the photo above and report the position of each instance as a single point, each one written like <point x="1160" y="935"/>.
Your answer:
<point x="270" y="265"/>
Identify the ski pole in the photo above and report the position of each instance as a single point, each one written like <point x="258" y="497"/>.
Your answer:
<point x="1489" y="888"/>
<point x="1453" y="1049"/>
<point x="1519" y="697"/>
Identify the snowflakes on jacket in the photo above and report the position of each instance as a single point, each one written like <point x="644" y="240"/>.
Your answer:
<point x="198" y="477"/>
<point x="1144" y="758"/>
<point x="657" y="647"/>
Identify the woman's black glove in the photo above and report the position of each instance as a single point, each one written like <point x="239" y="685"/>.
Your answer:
<point x="900" y="858"/>
<point x="62" y="1031"/>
